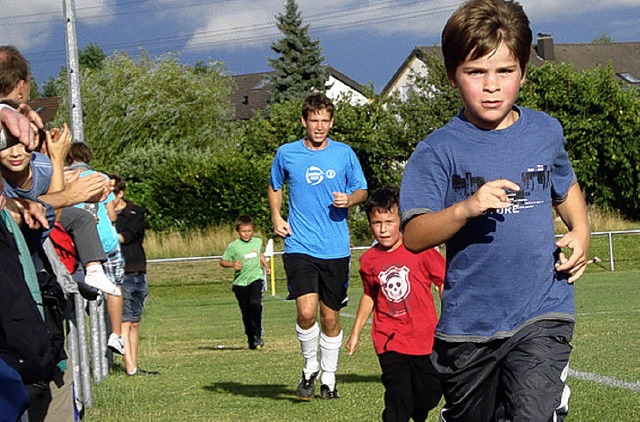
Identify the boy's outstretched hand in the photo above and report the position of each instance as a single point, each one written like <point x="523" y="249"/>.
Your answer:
<point x="576" y="263"/>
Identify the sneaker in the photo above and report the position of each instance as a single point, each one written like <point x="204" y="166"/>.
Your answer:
<point x="258" y="343"/>
<point x="328" y="394"/>
<point x="306" y="387"/>
<point x="116" y="344"/>
<point x="102" y="282"/>
<point x="142" y="372"/>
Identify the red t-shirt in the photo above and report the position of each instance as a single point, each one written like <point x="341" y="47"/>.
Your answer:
<point x="404" y="315"/>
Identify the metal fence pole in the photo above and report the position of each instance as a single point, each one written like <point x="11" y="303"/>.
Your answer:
<point x="104" y="364"/>
<point x="611" y="264"/>
<point x="73" y="347"/>
<point x="83" y="351"/>
<point x="95" y="341"/>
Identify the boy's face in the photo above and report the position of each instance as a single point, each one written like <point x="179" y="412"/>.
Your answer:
<point x="246" y="232"/>
<point x="488" y="87"/>
<point x="15" y="159"/>
<point x="385" y="226"/>
<point x="317" y="124"/>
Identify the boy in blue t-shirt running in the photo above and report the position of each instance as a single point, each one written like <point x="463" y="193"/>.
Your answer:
<point x="325" y="178"/>
<point x="486" y="184"/>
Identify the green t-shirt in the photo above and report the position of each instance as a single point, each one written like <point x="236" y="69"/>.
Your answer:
<point x="249" y="252"/>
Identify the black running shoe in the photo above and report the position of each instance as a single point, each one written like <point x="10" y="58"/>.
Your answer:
<point x="328" y="394"/>
<point x="306" y="387"/>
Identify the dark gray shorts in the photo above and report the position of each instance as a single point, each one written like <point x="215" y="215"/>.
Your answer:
<point x="519" y="378"/>
<point x="327" y="277"/>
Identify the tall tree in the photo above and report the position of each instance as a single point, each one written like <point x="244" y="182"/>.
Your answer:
<point x="92" y="57"/>
<point x="298" y="68"/>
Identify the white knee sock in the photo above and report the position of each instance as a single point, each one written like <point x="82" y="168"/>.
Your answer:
<point x="329" y="352"/>
<point x="309" y="345"/>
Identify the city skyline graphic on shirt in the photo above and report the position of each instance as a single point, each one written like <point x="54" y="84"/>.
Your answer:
<point x="536" y="178"/>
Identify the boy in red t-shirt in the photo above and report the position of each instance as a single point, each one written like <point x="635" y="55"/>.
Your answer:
<point x="397" y="289"/>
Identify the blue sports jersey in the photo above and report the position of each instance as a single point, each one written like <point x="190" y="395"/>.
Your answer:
<point x="500" y="266"/>
<point x="318" y="228"/>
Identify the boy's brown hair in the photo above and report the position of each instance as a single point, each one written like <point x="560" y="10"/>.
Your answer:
<point x="383" y="200"/>
<point x="13" y="69"/>
<point x="244" y="220"/>
<point x="79" y="151"/>
<point x="316" y="102"/>
<point x="479" y="26"/>
<point x="119" y="184"/>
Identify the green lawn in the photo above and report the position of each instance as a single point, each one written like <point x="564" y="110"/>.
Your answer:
<point x="192" y="333"/>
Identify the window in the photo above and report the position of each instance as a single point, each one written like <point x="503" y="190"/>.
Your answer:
<point x="629" y="78"/>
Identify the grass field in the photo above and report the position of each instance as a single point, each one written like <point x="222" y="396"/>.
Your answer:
<point x="192" y="333"/>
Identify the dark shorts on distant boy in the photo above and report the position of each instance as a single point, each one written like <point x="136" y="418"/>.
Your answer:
<point x="134" y="293"/>
<point x="327" y="277"/>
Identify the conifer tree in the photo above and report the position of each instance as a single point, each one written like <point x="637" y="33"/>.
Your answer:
<point x="298" y="66"/>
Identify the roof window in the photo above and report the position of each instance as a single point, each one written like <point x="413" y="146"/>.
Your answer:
<point x="628" y="77"/>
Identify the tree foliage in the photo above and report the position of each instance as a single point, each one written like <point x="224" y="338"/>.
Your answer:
<point x="601" y="121"/>
<point x="131" y="104"/>
<point x="92" y="57"/>
<point x="298" y="66"/>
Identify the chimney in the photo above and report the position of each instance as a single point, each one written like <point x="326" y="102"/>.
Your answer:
<point x="545" y="46"/>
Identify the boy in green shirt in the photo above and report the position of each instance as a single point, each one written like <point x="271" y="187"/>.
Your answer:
<point x="245" y="256"/>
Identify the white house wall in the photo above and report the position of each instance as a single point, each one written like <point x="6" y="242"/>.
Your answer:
<point x="338" y="88"/>
<point x="405" y="82"/>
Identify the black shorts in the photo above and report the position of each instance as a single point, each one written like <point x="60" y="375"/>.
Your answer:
<point x="327" y="277"/>
<point x="518" y="378"/>
<point x="412" y="386"/>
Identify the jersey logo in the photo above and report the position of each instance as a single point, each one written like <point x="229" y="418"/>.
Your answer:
<point x="395" y="283"/>
<point x="314" y="175"/>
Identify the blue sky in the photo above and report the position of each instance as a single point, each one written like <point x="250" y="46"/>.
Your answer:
<point x="366" y="40"/>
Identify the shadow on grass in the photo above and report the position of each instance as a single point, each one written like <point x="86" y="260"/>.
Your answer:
<point x="357" y="378"/>
<point x="278" y="391"/>
<point x="272" y="391"/>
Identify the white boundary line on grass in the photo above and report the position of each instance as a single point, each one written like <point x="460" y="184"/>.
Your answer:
<point x="602" y="379"/>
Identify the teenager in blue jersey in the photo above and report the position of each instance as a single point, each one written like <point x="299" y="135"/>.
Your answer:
<point x="325" y="178"/>
<point x="486" y="184"/>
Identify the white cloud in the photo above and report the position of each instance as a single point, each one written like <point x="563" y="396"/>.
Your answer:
<point x="28" y="24"/>
<point x="245" y="23"/>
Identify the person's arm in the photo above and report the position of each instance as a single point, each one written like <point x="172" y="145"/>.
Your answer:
<point x="236" y="265"/>
<point x="573" y="211"/>
<point x="365" y="308"/>
<point x="280" y="226"/>
<point x="31" y="213"/>
<point x="342" y="200"/>
<point x="432" y="229"/>
<point x="264" y="263"/>
<point x="111" y="211"/>
<point x="57" y="146"/>
<point x="435" y="266"/>
<point x="91" y="188"/>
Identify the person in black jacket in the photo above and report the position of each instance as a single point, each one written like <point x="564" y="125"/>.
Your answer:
<point x="130" y="226"/>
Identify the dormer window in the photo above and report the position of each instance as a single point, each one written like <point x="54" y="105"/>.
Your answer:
<point x="629" y="78"/>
